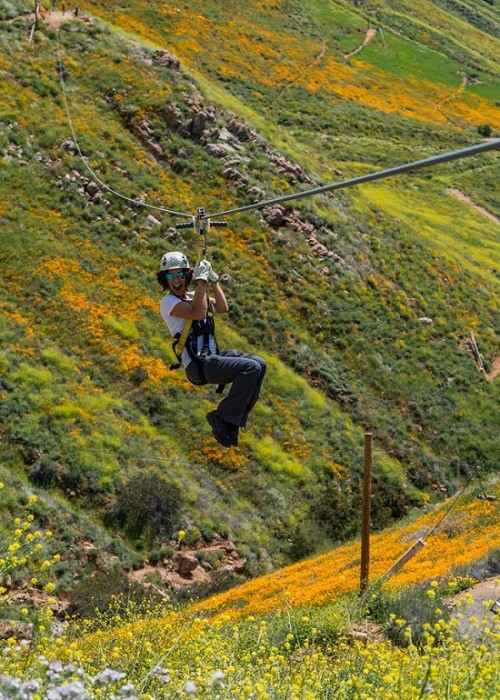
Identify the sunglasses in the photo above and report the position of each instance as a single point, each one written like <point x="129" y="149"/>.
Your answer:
<point x="176" y="275"/>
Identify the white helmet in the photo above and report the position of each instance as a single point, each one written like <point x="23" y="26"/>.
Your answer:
<point x="171" y="261"/>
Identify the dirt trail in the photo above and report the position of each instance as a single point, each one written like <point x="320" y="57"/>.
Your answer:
<point x="52" y="18"/>
<point x="370" y="33"/>
<point x="456" y="92"/>
<point x="495" y="370"/>
<point x="483" y="606"/>
<point x="315" y="60"/>
<point x="463" y="198"/>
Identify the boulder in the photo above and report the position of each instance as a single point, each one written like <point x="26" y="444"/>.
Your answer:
<point x="227" y="570"/>
<point x="152" y="221"/>
<point x="256" y="192"/>
<point x="241" y="130"/>
<point x="234" y="175"/>
<point x="171" y="234"/>
<point x="220" y="150"/>
<point x="156" y="148"/>
<point x="198" y="123"/>
<point x="92" y="188"/>
<point x="274" y="215"/>
<point x="166" y="59"/>
<point x="16" y="629"/>
<point x="186" y="564"/>
<point x="173" y="117"/>
<point x="69" y="146"/>
<point x="239" y="565"/>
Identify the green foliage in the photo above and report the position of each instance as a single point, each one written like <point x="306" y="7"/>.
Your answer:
<point x="417" y="609"/>
<point x="96" y="593"/>
<point x="124" y="327"/>
<point x="484" y="130"/>
<point x="147" y="506"/>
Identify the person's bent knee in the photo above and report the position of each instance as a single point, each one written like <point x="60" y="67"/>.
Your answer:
<point x="253" y="367"/>
<point x="262" y="365"/>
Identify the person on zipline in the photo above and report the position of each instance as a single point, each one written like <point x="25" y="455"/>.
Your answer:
<point x="203" y="362"/>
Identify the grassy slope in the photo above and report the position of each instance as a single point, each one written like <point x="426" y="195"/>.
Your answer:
<point x="87" y="321"/>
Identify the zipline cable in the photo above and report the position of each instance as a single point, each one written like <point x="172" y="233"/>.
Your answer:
<point x="450" y="507"/>
<point x="433" y="160"/>
<point x="94" y="176"/>
<point x="416" y="165"/>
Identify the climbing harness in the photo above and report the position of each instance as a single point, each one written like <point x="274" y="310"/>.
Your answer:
<point x="198" y="346"/>
<point x="196" y="331"/>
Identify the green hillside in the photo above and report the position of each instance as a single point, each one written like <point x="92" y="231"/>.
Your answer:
<point x="362" y="302"/>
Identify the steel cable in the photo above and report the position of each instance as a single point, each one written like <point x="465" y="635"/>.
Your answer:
<point x="416" y="165"/>
<point x="92" y="173"/>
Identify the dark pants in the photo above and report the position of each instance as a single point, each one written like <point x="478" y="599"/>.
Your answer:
<point x="244" y="372"/>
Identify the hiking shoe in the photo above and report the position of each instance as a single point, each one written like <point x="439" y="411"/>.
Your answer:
<point x="232" y="431"/>
<point x="219" y="429"/>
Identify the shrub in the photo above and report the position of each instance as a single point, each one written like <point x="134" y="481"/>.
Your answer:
<point x="94" y="594"/>
<point x="147" y="506"/>
<point x="305" y="539"/>
<point x="338" y="509"/>
<point x="389" y="502"/>
<point x="155" y="556"/>
<point x="43" y="473"/>
<point x="409" y="607"/>
<point x="484" y="130"/>
<point x="192" y="536"/>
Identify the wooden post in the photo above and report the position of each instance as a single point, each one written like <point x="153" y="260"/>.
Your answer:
<point x="414" y="549"/>
<point x="367" y="497"/>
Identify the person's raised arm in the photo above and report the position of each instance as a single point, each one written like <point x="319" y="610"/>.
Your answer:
<point x="195" y="311"/>
<point x="219" y="302"/>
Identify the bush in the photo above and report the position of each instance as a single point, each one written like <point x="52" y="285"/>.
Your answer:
<point x="409" y="607"/>
<point x="389" y="503"/>
<point x="147" y="506"/>
<point x="485" y="130"/>
<point x="43" y="474"/>
<point x="338" y="509"/>
<point x="305" y="539"/>
<point x="95" y="593"/>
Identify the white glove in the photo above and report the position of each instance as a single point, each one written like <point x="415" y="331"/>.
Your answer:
<point x="212" y="276"/>
<point x="202" y="271"/>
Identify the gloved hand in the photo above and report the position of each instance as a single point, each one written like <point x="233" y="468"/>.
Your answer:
<point x="212" y="276"/>
<point x="202" y="271"/>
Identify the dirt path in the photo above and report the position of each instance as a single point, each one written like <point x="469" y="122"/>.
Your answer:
<point x="463" y="198"/>
<point x="370" y="33"/>
<point x="454" y="93"/>
<point x="483" y="605"/>
<point x="52" y="18"/>
<point x="315" y="60"/>
<point x="495" y="369"/>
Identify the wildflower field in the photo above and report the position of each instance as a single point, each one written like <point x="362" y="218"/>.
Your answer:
<point x="294" y="638"/>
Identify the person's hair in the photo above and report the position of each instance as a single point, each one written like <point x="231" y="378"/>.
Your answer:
<point x="163" y="282"/>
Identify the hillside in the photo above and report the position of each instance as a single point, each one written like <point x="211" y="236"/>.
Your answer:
<point x="365" y="299"/>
